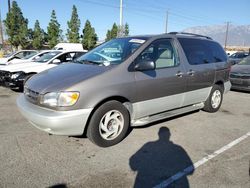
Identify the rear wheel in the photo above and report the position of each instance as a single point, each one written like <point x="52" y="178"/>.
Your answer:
<point x="109" y="124"/>
<point x="214" y="100"/>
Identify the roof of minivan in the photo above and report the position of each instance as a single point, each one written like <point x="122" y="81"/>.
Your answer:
<point x="172" y="35"/>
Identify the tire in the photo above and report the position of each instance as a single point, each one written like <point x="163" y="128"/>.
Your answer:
<point x="214" y="100"/>
<point x="109" y="124"/>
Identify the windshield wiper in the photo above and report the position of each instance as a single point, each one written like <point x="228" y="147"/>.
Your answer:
<point x="85" y="61"/>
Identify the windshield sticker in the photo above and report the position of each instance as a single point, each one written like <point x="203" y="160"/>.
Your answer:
<point x="140" y="41"/>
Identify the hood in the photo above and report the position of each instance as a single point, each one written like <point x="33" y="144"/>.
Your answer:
<point x="243" y="69"/>
<point x="21" y="66"/>
<point x="15" y="61"/>
<point x="64" y="76"/>
<point x="3" y="60"/>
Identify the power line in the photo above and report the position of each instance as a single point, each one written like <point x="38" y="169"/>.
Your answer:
<point x="153" y="8"/>
<point x="132" y="5"/>
<point x="145" y="15"/>
<point x="197" y="14"/>
<point x="99" y="3"/>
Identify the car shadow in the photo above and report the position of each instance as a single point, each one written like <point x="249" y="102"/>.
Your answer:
<point x="58" y="186"/>
<point x="159" y="160"/>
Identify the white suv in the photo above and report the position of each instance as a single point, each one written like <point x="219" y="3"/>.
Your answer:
<point x="13" y="76"/>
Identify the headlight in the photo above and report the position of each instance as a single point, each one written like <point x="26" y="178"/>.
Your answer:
<point x="60" y="99"/>
<point x="15" y="75"/>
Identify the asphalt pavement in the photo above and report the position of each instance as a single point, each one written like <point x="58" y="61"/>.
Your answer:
<point x="207" y="145"/>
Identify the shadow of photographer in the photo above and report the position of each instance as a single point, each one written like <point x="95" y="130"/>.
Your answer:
<point x="157" y="161"/>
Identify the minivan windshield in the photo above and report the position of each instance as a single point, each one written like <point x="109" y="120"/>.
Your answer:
<point x="46" y="57"/>
<point x="112" y="52"/>
<point x="245" y="61"/>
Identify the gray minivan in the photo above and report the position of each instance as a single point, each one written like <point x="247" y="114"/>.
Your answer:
<point x="125" y="82"/>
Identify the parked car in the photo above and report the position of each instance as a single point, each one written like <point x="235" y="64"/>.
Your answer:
<point x="230" y="52"/>
<point x="240" y="75"/>
<point x="69" y="46"/>
<point x="237" y="57"/>
<point x="14" y="76"/>
<point x="17" y="55"/>
<point x="29" y="58"/>
<point x="147" y="78"/>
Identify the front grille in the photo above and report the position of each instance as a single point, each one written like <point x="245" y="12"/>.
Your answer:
<point x="4" y="76"/>
<point x="240" y="75"/>
<point x="31" y="95"/>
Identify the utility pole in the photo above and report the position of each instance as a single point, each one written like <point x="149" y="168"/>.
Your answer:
<point x="9" y="5"/>
<point x="121" y="13"/>
<point x="166" y="29"/>
<point x="121" y="29"/>
<point x="1" y="29"/>
<point x="226" y="35"/>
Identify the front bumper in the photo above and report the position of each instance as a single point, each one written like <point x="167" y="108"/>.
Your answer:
<point x="55" y="122"/>
<point x="17" y="82"/>
<point x="14" y="83"/>
<point x="240" y="84"/>
<point x="4" y="76"/>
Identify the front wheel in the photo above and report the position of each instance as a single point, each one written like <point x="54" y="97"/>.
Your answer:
<point x="214" y="100"/>
<point x="108" y="124"/>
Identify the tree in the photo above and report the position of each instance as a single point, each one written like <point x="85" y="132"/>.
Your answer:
<point x="30" y="34"/>
<point x="45" y="36"/>
<point x="54" y="31"/>
<point x="108" y="36"/>
<point x="16" y="27"/>
<point x="38" y="37"/>
<point x="123" y="30"/>
<point x="126" y="29"/>
<point x="113" y="33"/>
<point x="89" y="36"/>
<point x="73" y="27"/>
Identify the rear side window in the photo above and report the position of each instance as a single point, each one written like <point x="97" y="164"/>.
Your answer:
<point x="200" y="51"/>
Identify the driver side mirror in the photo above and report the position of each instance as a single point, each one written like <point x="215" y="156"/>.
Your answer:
<point x="145" y="65"/>
<point x="56" y="61"/>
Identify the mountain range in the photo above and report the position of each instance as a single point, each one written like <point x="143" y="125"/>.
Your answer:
<point x="238" y="35"/>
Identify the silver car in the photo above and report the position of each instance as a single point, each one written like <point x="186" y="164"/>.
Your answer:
<point x="127" y="82"/>
<point x="240" y="75"/>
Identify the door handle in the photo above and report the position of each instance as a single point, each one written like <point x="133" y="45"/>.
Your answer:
<point x="191" y="72"/>
<point x="179" y="74"/>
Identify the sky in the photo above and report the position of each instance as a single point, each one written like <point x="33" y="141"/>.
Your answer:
<point x="143" y="17"/>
